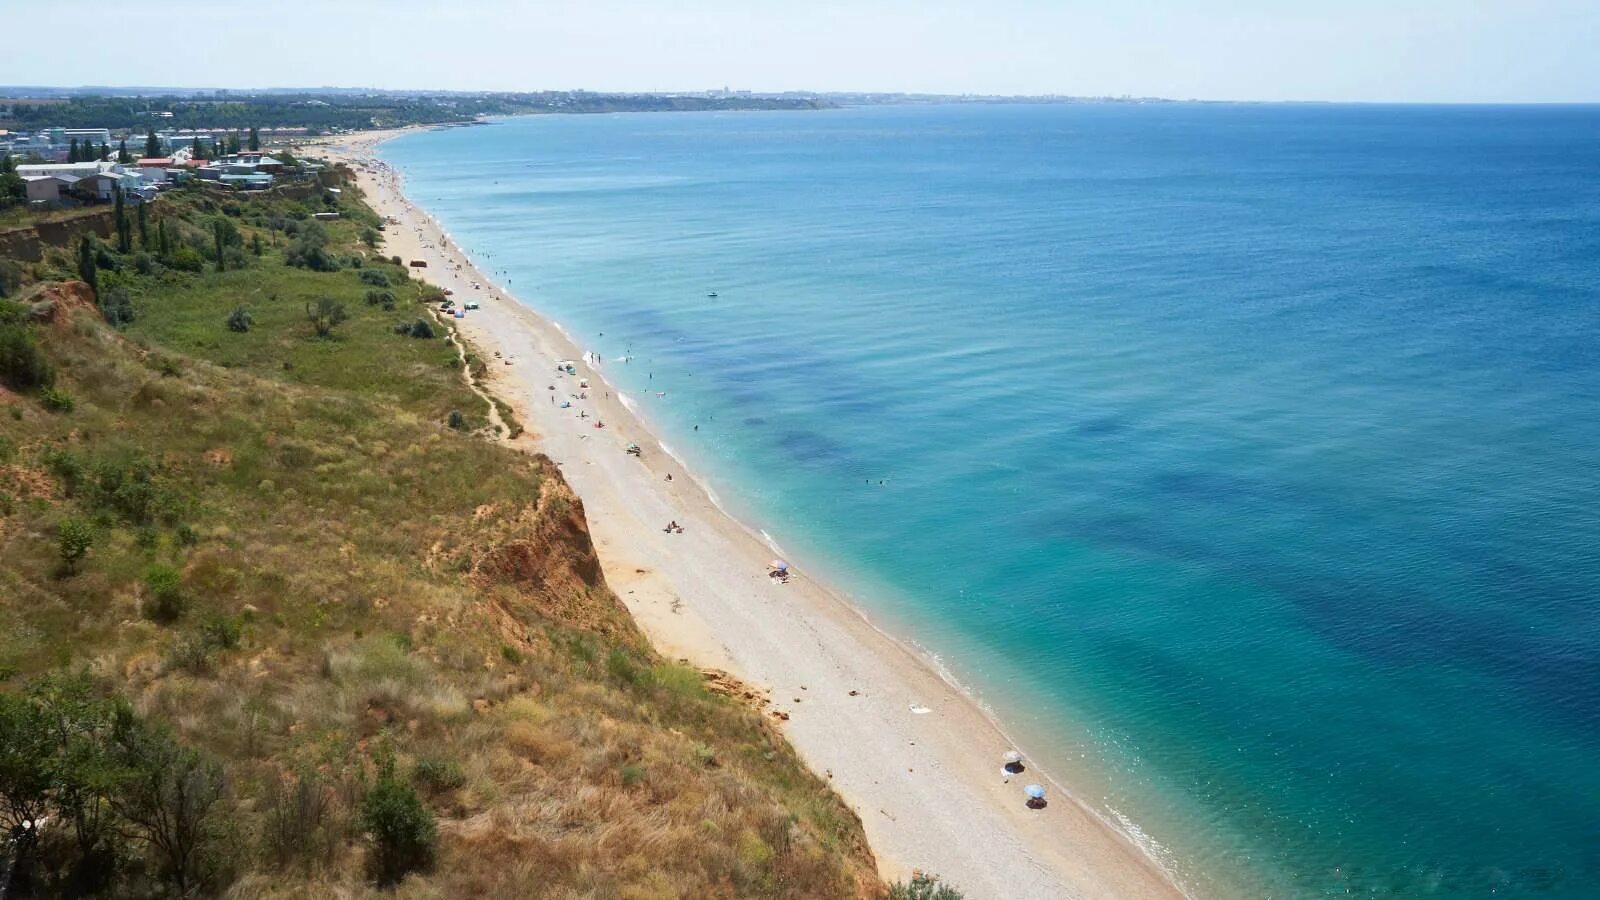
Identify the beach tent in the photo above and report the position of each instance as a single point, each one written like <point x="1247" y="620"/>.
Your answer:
<point x="780" y="565"/>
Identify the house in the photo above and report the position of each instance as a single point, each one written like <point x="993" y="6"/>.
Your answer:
<point x="73" y="171"/>
<point x="45" y="188"/>
<point x="252" y="182"/>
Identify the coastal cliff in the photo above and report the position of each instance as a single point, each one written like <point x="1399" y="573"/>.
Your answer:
<point x="268" y="555"/>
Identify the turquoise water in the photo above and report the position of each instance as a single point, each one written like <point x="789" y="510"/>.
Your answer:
<point x="1246" y="459"/>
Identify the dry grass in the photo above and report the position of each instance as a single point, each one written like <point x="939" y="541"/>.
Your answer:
<point x="402" y="587"/>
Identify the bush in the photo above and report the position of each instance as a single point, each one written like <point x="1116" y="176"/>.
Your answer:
<point x="422" y="328"/>
<point x="324" y="313"/>
<point x="240" y="320"/>
<point x="922" y="887"/>
<point x="190" y="653"/>
<point x="58" y="400"/>
<point x="438" y="776"/>
<point x="164" y="584"/>
<point x="297" y="827"/>
<point x="380" y="298"/>
<point x="223" y="632"/>
<point x="22" y="364"/>
<point x="400" y="827"/>
<point x="116" y="306"/>
<point x="375" y="278"/>
<point x="73" y="539"/>
<point x="456" y="420"/>
<point x="187" y="259"/>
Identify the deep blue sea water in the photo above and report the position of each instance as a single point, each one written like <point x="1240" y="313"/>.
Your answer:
<point x="1245" y="459"/>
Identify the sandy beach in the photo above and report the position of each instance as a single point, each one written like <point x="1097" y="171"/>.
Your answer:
<point x="918" y="760"/>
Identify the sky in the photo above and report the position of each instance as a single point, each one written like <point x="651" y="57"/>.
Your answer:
<point x="1335" y="50"/>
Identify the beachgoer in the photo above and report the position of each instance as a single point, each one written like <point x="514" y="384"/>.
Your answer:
<point x="669" y="476"/>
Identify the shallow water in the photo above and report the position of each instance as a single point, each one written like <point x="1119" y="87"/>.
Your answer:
<point x="1246" y="459"/>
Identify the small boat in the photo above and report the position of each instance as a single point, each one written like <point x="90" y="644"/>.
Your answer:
<point x="711" y="294"/>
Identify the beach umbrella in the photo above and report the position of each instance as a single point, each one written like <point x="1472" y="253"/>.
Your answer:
<point x="1012" y="757"/>
<point x="780" y="565"/>
<point x="1034" y="792"/>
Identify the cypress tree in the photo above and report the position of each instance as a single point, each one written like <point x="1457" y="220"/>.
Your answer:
<point x="152" y="145"/>
<point x="255" y="138"/>
<point x="105" y="151"/>
<point x="216" y="232"/>
<point x="196" y="152"/>
<point x="163" y="239"/>
<point x="123" y="156"/>
<point x="124" y="232"/>
<point x="86" y="269"/>
<point x="72" y="152"/>
<point x="233" y="144"/>
<point x="144" y="226"/>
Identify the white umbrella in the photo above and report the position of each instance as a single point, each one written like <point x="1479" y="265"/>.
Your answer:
<point x="1034" y="791"/>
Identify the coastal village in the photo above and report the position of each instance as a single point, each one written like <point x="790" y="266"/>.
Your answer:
<point x="68" y="167"/>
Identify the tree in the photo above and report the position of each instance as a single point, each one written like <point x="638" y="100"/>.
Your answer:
<point x="123" y="156"/>
<point x="144" y="226"/>
<point x="168" y="796"/>
<point x="73" y="154"/>
<point x="124" y="228"/>
<point x="73" y="540"/>
<point x="86" y="266"/>
<point x="401" y="828"/>
<point x="105" y="151"/>
<point x="220" y="235"/>
<point x="163" y="240"/>
<point x="240" y="320"/>
<point x="255" y="138"/>
<point x="195" y="151"/>
<point x="324" y="313"/>
<point x="152" y="145"/>
<point x="233" y="143"/>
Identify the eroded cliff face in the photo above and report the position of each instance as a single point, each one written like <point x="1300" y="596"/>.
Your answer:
<point x="543" y="557"/>
<point x="56" y="303"/>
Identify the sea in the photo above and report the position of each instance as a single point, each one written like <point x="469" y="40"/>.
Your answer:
<point x="1243" y="460"/>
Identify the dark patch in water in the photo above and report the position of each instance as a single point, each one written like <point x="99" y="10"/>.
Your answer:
<point x="754" y="420"/>
<point x="811" y="448"/>
<point x="1102" y="427"/>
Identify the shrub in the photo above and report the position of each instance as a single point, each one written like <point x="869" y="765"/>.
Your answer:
<point x="74" y="537"/>
<point x="374" y="278"/>
<point x="187" y="259"/>
<point x="456" y="420"/>
<point x="438" y="776"/>
<point x="116" y="306"/>
<point x="22" y="364"/>
<point x="297" y="820"/>
<point x="370" y="237"/>
<point x="324" y="313"/>
<point x="422" y="328"/>
<point x="164" y="584"/>
<point x="190" y="653"/>
<point x="57" y="400"/>
<point x="922" y="887"/>
<point x="397" y="260"/>
<point x="223" y="632"/>
<point x="400" y="827"/>
<point x="240" y="320"/>
<point x="380" y="298"/>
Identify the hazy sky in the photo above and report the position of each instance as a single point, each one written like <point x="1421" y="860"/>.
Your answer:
<point x="1439" y="50"/>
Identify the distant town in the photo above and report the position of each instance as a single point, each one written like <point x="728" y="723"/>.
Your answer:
<point x="63" y="167"/>
<point x="62" y="147"/>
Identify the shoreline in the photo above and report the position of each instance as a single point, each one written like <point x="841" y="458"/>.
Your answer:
<point x="912" y="752"/>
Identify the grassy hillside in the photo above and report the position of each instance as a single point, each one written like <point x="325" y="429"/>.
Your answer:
<point x="278" y="620"/>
